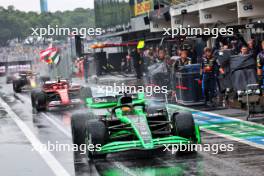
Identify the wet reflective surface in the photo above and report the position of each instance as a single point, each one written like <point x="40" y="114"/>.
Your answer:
<point x="53" y="127"/>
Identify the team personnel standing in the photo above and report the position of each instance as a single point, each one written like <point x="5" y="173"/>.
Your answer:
<point x="260" y="66"/>
<point x="224" y="83"/>
<point x="87" y="60"/>
<point x="182" y="60"/>
<point x="208" y="75"/>
<point x="163" y="57"/>
<point x="252" y="48"/>
<point x="137" y="56"/>
<point x="179" y="62"/>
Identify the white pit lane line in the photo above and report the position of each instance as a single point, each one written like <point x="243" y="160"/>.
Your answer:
<point x="51" y="120"/>
<point x="68" y="134"/>
<point x="50" y="160"/>
<point x="56" y="124"/>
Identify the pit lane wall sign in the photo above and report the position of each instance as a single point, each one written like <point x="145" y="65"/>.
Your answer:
<point x="159" y="25"/>
<point x="189" y="19"/>
<point x="211" y="16"/>
<point x="142" y="6"/>
<point x="250" y="8"/>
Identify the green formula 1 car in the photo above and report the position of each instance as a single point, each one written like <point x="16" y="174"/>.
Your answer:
<point x="125" y="122"/>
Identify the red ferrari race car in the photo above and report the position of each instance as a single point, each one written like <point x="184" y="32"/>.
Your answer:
<point x="58" y="93"/>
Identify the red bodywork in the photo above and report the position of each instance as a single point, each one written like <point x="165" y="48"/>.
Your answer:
<point x="61" y="89"/>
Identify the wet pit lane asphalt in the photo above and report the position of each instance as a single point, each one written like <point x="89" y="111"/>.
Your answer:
<point x="18" y="156"/>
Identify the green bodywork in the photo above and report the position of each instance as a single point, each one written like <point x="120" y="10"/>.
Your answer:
<point x="91" y="104"/>
<point x="137" y="120"/>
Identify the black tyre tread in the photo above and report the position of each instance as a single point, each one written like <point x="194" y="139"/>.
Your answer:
<point x="17" y="86"/>
<point x="41" y="98"/>
<point x="33" y="94"/>
<point x="99" y="134"/>
<point x="78" y="125"/>
<point x="183" y="125"/>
